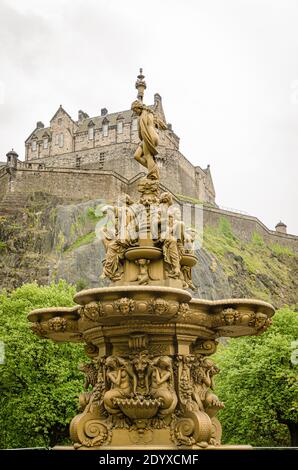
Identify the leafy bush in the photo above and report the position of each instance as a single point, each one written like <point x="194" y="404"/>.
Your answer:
<point x="259" y="384"/>
<point x="39" y="379"/>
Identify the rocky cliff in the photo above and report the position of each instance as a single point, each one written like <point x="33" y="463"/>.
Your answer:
<point x="48" y="241"/>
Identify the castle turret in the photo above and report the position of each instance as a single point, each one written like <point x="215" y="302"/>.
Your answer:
<point x="281" y="227"/>
<point x="12" y="159"/>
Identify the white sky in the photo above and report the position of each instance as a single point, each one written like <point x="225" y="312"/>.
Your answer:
<point x="227" y="71"/>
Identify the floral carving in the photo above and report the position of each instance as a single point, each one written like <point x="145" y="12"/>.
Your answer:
<point x="91" y="350"/>
<point x="262" y="322"/>
<point x="205" y="347"/>
<point x="184" y="311"/>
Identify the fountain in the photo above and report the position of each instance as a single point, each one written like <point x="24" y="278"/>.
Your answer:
<point x="148" y="340"/>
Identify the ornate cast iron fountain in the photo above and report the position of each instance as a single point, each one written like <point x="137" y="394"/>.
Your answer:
<point x="148" y="341"/>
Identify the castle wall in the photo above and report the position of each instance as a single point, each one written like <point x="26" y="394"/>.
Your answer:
<point x="70" y="184"/>
<point x="178" y="173"/>
<point x="78" y="185"/>
<point x="4" y="182"/>
<point x="244" y="226"/>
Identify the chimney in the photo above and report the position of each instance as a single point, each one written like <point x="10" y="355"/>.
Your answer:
<point x="82" y="115"/>
<point x="103" y="111"/>
<point x="157" y="98"/>
<point x="281" y="227"/>
<point x="39" y="125"/>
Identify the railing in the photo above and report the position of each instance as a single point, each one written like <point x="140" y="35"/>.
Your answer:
<point x="230" y="209"/>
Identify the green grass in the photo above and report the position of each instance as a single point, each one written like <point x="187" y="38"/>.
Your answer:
<point x="278" y="249"/>
<point x="84" y="240"/>
<point x="257" y="239"/>
<point x="94" y="214"/>
<point x="258" y="258"/>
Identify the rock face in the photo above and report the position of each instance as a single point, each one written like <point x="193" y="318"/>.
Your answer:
<point x="49" y="241"/>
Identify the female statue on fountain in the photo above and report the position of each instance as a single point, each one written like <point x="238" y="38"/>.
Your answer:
<point x="162" y="384"/>
<point x="147" y="150"/>
<point x="121" y="378"/>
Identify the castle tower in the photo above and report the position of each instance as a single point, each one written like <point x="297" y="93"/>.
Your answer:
<point x="281" y="227"/>
<point x="12" y="159"/>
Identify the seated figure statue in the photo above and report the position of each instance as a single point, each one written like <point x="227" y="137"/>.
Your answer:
<point x="118" y="235"/>
<point x="171" y="234"/>
<point x="121" y="379"/>
<point x="162" y="384"/>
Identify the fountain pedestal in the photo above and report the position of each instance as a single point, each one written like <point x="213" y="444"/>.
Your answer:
<point x="149" y="343"/>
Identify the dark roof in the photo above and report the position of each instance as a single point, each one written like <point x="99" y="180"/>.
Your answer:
<point x="38" y="133"/>
<point x="112" y="118"/>
<point x="84" y="124"/>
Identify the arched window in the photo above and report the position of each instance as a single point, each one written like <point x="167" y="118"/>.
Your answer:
<point x="34" y="146"/>
<point x="120" y="127"/>
<point x="61" y="140"/>
<point x="45" y="143"/>
<point x="91" y="133"/>
<point x="105" y="130"/>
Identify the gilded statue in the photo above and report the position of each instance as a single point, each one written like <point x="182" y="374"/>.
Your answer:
<point x="146" y="152"/>
<point x="171" y="232"/>
<point x="121" y="379"/>
<point x="118" y="234"/>
<point x="162" y="384"/>
<point x="203" y="370"/>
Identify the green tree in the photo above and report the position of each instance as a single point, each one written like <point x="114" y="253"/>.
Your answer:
<point x="259" y="384"/>
<point x="39" y="379"/>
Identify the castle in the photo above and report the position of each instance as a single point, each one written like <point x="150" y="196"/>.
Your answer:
<point x="92" y="158"/>
<point x="103" y="146"/>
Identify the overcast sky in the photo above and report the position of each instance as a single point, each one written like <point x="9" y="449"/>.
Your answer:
<point x="227" y="71"/>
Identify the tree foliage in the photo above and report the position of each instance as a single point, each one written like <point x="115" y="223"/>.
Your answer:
<point x="39" y="379"/>
<point x="259" y="384"/>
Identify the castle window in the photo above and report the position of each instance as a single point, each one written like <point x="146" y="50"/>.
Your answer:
<point x="134" y="124"/>
<point x="78" y="162"/>
<point x="61" y="140"/>
<point x="45" y="143"/>
<point x="59" y="122"/>
<point x="120" y="127"/>
<point x="101" y="160"/>
<point x="34" y="146"/>
<point x="57" y="139"/>
<point x="91" y="133"/>
<point x="105" y="130"/>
